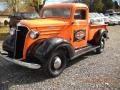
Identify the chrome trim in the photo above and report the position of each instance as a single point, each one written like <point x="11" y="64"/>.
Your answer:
<point x="57" y="62"/>
<point x="15" y="41"/>
<point x="21" y="63"/>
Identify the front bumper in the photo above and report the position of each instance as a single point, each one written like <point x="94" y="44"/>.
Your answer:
<point x="20" y="62"/>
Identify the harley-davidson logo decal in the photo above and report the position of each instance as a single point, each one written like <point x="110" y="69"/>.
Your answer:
<point x="79" y="35"/>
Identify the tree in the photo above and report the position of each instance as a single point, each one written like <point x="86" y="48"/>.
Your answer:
<point x="95" y="5"/>
<point x="116" y="5"/>
<point x="14" y="4"/>
<point x="98" y="6"/>
<point x="37" y="4"/>
<point x="87" y="2"/>
<point x="108" y="4"/>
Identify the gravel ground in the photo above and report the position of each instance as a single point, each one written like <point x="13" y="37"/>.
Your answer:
<point x="88" y="72"/>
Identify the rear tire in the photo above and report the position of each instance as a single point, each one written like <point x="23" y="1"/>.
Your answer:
<point x="56" y="64"/>
<point x="102" y="45"/>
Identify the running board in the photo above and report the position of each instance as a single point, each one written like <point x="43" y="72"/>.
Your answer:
<point x="84" y="50"/>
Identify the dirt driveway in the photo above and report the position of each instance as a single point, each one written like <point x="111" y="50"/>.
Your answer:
<point x="88" y="72"/>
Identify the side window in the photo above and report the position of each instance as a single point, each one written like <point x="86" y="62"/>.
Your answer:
<point x="80" y="15"/>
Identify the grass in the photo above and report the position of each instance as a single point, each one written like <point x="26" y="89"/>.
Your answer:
<point x="4" y="31"/>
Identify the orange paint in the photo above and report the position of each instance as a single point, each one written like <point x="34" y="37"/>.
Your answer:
<point x="61" y="27"/>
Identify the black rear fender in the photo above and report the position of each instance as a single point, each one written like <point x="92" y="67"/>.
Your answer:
<point x="103" y="33"/>
<point x="99" y="34"/>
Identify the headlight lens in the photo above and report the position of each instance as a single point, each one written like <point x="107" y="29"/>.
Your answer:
<point x="12" y="31"/>
<point x="34" y="34"/>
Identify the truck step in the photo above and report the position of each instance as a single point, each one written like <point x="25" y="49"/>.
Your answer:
<point x="84" y="50"/>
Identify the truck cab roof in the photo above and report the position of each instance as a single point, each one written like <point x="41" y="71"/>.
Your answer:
<point x="80" y="5"/>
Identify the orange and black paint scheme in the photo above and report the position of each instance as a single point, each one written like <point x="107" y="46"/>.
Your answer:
<point x="61" y="34"/>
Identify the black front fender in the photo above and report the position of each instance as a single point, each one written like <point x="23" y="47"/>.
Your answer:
<point x="9" y="44"/>
<point x="43" y="50"/>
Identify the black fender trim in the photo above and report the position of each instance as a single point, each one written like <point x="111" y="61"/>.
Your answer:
<point x="43" y="49"/>
<point x="103" y="33"/>
<point x="99" y="34"/>
<point x="9" y="44"/>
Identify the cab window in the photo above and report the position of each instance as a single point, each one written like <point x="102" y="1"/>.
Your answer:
<point x="80" y="15"/>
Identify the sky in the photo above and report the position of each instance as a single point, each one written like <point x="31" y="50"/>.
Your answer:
<point x="118" y="1"/>
<point x="3" y="5"/>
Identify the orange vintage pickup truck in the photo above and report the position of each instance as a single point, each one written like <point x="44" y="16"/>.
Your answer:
<point x="62" y="33"/>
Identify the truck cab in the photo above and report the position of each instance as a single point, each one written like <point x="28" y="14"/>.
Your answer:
<point x="62" y="33"/>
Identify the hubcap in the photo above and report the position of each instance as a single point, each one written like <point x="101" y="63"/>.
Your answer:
<point x="102" y="45"/>
<point x="57" y="63"/>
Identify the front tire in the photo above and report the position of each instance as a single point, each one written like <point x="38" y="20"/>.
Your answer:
<point x="56" y="64"/>
<point x="102" y="45"/>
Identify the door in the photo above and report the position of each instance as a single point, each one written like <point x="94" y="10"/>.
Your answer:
<point x="80" y="28"/>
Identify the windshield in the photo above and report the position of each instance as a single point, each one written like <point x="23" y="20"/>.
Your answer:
<point x="56" y="12"/>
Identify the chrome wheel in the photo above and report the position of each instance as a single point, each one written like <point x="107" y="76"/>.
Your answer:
<point x="102" y="45"/>
<point x="57" y="62"/>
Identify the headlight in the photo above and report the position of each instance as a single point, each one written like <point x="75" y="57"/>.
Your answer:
<point x="12" y="31"/>
<point x="34" y="34"/>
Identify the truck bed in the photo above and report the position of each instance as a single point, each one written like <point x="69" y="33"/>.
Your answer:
<point x="93" y="29"/>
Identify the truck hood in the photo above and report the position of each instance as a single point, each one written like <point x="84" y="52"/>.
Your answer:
<point x="47" y="27"/>
<point x="42" y="23"/>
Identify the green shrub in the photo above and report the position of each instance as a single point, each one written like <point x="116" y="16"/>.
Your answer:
<point x="4" y="31"/>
